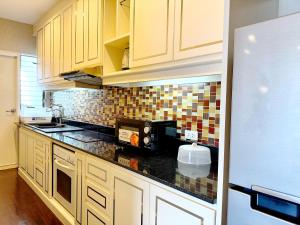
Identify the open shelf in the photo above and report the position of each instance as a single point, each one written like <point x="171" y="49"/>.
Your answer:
<point x="116" y="34"/>
<point x="118" y="42"/>
<point x="116" y="19"/>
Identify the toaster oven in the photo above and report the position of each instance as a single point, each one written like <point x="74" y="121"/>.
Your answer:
<point x="149" y="135"/>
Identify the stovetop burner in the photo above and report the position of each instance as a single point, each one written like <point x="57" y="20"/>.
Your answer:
<point x="89" y="136"/>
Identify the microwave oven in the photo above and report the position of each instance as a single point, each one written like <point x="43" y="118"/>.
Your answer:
<point x="149" y="135"/>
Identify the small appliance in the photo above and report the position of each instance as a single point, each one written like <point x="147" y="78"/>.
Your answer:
<point x="35" y="115"/>
<point x="147" y="135"/>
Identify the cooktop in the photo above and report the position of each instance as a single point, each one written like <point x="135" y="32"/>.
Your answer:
<point x="89" y="136"/>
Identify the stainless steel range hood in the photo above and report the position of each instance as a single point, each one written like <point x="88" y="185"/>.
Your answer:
<point x="88" y="76"/>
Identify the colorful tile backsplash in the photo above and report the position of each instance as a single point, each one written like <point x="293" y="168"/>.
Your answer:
<point x="194" y="106"/>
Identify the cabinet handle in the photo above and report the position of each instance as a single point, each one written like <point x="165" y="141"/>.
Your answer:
<point x="11" y="111"/>
<point x="62" y="165"/>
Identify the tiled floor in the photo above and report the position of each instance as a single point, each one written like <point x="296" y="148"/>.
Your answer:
<point x="19" y="205"/>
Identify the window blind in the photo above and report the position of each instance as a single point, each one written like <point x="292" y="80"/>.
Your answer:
<point x="30" y="90"/>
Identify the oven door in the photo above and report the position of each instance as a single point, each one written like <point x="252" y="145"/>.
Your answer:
<point x="64" y="183"/>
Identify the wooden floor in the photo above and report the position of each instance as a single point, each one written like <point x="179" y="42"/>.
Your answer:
<point x="19" y="205"/>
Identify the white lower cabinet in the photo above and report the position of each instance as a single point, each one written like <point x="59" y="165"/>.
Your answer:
<point x="30" y="154"/>
<point x="131" y="200"/>
<point x="42" y="162"/>
<point x="97" y="193"/>
<point x="167" y="208"/>
<point x="94" y="217"/>
<point x="26" y="152"/>
<point x="22" y="150"/>
<point x="115" y="196"/>
<point x="34" y="157"/>
<point x="80" y="173"/>
<point x="107" y="194"/>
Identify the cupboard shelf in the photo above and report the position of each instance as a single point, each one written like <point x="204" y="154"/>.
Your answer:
<point x="118" y="42"/>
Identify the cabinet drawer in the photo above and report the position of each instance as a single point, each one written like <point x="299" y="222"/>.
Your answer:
<point x="92" y="217"/>
<point x="39" y="177"/>
<point x="98" y="171"/>
<point x="99" y="197"/>
<point x="39" y="144"/>
<point x="39" y="159"/>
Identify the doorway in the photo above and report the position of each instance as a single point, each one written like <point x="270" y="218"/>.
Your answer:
<point x="8" y="110"/>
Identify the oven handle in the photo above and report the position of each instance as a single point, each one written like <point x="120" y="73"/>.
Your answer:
<point x="63" y="166"/>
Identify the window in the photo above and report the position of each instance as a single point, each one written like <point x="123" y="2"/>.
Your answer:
<point x="30" y="90"/>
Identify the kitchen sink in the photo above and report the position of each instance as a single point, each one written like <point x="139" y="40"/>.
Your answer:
<point x="47" y="125"/>
<point x="54" y="127"/>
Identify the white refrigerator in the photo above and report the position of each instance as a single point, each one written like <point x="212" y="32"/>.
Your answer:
<point x="264" y="172"/>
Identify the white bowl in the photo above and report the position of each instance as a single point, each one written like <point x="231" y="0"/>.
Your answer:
<point x="194" y="155"/>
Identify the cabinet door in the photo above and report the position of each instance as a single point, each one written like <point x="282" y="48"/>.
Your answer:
<point x="56" y="60"/>
<point x="22" y="150"/>
<point x="39" y="166"/>
<point x="48" y="163"/>
<point x="80" y="174"/>
<point x="153" y="26"/>
<point x="131" y="201"/>
<point x="198" y="28"/>
<point x="47" y="51"/>
<point x="67" y="40"/>
<point x="79" y="33"/>
<point x="93" y="31"/>
<point x="40" y="47"/>
<point x="167" y="208"/>
<point x="30" y="155"/>
<point x="40" y="177"/>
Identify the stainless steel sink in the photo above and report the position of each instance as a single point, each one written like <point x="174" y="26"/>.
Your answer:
<point x="47" y="125"/>
<point x="54" y="127"/>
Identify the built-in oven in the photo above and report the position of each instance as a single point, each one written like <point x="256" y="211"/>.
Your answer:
<point x="64" y="182"/>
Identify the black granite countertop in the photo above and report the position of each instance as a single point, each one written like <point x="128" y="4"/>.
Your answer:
<point x="163" y="167"/>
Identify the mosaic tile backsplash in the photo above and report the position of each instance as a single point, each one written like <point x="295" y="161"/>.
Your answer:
<point x="194" y="106"/>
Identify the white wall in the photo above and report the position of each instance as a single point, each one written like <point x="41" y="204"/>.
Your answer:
<point x="16" y="37"/>
<point x="288" y="6"/>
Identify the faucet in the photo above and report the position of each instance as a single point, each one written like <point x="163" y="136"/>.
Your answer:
<point x="60" y="109"/>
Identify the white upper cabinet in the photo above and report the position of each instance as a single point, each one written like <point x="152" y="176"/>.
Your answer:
<point x="47" y="59"/>
<point x="67" y="39"/>
<point x="152" y="28"/>
<point x="79" y="33"/>
<point x="171" y="30"/>
<point x="88" y="33"/>
<point x="198" y="28"/>
<point x="56" y="41"/>
<point x="40" y="48"/>
<point x="94" y="31"/>
<point x="164" y="38"/>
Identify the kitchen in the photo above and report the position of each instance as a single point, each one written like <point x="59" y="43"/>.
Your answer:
<point x="123" y="112"/>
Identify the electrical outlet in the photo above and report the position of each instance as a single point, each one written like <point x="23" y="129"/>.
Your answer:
<point x="191" y="135"/>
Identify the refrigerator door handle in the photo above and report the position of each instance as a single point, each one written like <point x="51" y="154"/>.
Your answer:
<point x="276" y="194"/>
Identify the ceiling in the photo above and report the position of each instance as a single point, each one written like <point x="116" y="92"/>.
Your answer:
<point x="24" y="11"/>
